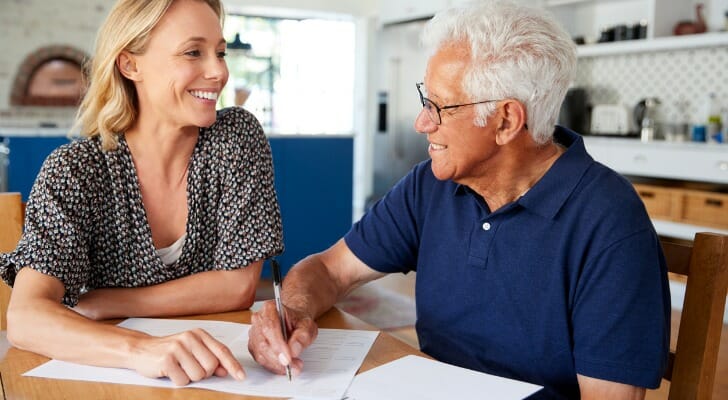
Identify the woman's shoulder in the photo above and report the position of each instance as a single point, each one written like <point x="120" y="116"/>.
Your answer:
<point x="79" y="158"/>
<point x="236" y="120"/>
<point x="236" y="127"/>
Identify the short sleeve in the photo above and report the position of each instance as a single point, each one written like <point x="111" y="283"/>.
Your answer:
<point x="54" y="241"/>
<point x="386" y="238"/>
<point x="249" y="218"/>
<point x="621" y="315"/>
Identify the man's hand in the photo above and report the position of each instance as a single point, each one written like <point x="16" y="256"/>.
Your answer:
<point x="265" y="339"/>
<point x="185" y="357"/>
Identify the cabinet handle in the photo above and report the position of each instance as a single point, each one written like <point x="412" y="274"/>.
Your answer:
<point x="714" y="202"/>
<point x="648" y="195"/>
<point x="640" y="158"/>
<point x="722" y="165"/>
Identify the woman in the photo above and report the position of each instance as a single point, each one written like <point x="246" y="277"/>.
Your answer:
<point x="166" y="208"/>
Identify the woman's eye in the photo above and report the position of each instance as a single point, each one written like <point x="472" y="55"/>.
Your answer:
<point x="222" y="54"/>
<point x="193" y="53"/>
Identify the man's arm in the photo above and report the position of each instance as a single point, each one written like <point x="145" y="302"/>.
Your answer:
<point x="201" y="293"/>
<point x="310" y="288"/>
<point x="596" y="389"/>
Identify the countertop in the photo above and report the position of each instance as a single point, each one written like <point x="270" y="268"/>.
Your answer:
<point x="62" y="132"/>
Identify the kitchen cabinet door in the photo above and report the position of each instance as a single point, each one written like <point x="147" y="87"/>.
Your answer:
<point x="395" y="11"/>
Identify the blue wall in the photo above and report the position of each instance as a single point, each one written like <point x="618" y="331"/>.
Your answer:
<point x="313" y="179"/>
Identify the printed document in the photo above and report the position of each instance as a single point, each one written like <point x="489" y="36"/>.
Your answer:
<point x="419" y="378"/>
<point x="331" y="362"/>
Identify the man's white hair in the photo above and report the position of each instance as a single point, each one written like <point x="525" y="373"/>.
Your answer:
<point x="516" y="51"/>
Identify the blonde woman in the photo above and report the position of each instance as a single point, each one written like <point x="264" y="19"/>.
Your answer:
<point x="166" y="208"/>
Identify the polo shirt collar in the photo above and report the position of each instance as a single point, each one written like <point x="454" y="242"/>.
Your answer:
<point x="550" y="193"/>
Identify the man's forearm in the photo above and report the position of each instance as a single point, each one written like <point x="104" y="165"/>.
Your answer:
<point x="309" y="288"/>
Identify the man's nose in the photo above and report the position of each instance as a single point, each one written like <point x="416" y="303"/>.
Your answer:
<point x="423" y="123"/>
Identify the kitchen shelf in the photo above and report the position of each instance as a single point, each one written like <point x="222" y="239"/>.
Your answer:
<point x="702" y="40"/>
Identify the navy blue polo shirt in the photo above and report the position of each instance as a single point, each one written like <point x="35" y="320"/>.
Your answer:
<point x="568" y="279"/>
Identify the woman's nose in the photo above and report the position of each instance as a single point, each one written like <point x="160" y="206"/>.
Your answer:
<point x="217" y="69"/>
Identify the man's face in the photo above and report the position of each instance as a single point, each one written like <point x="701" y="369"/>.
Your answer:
<point x="460" y="151"/>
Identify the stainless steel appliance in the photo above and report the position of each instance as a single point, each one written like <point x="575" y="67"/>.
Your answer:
<point x="396" y="146"/>
<point x="574" y="113"/>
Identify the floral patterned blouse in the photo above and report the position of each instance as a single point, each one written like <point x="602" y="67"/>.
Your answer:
<point x="86" y="225"/>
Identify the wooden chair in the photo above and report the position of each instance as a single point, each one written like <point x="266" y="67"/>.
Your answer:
<point x="11" y="227"/>
<point x="692" y="367"/>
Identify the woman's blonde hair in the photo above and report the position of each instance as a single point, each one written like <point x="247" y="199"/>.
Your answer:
<point x="110" y="104"/>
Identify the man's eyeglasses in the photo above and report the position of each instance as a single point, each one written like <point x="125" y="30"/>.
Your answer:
<point x="433" y="110"/>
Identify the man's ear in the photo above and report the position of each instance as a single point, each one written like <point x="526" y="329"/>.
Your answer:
<point x="512" y="121"/>
<point x="126" y="63"/>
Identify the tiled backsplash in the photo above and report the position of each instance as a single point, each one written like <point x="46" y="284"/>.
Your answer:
<point x="681" y="79"/>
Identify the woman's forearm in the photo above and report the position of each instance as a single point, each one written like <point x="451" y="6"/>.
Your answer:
<point x="201" y="293"/>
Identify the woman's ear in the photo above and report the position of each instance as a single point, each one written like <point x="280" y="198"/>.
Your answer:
<point x="512" y="121"/>
<point x="127" y="66"/>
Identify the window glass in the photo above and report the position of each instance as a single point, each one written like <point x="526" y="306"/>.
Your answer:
<point x="297" y="77"/>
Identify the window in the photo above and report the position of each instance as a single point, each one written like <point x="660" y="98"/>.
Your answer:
<point x="297" y="77"/>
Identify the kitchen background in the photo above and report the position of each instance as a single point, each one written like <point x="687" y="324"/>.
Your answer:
<point x="345" y="167"/>
<point x="326" y="180"/>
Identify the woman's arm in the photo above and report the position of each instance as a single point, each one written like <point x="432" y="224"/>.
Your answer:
<point x="202" y="293"/>
<point x="38" y="322"/>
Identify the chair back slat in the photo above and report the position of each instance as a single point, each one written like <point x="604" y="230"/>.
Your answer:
<point x="705" y="264"/>
<point x="11" y="227"/>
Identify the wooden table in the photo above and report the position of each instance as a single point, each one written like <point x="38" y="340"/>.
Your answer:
<point x="16" y="362"/>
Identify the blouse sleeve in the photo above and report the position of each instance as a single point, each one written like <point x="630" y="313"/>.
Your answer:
<point x="249" y="219"/>
<point x="54" y="241"/>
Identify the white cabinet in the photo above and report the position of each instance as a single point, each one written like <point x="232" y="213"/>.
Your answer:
<point x="395" y="11"/>
<point x="398" y="11"/>
<point x="697" y="162"/>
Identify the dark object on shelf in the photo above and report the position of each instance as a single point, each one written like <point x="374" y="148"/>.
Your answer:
<point x="607" y="35"/>
<point x="620" y="32"/>
<point x="690" y="27"/>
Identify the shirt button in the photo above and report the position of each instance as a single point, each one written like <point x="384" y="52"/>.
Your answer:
<point x="486" y="226"/>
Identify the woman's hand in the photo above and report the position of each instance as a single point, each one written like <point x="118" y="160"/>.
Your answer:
<point x="185" y="357"/>
<point x="265" y="339"/>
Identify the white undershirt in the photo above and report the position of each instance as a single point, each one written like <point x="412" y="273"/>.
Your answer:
<point x="171" y="254"/>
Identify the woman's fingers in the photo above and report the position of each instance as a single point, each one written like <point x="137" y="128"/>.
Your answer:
<point x="188" y="357"/>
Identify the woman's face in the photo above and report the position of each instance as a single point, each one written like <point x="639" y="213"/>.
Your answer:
<point x="180" y="75"/>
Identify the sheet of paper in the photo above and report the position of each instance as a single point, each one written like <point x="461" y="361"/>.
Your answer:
<point x="330" y="363"/>
<point x="418" y="378"/>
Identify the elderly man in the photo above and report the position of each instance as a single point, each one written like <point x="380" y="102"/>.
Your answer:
<point x="533" y="261"/>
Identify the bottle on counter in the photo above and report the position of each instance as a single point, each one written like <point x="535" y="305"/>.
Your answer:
<point x="714" y="122"/>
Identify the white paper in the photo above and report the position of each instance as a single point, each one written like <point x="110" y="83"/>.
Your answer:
<point x="418" y="378"/>
<point x="329" y="363"/>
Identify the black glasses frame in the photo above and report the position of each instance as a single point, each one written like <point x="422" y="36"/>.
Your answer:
<point x="427" y="102"/>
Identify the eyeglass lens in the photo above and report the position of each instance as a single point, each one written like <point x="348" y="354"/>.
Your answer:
<point x="432" y="110"/>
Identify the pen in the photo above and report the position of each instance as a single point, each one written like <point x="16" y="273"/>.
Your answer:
<point x="279" y="305"/>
